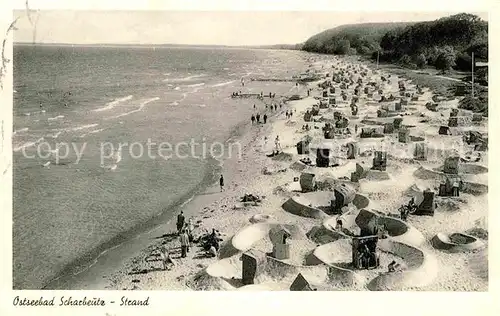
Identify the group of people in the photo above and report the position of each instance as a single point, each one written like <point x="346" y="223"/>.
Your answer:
<point x="368" y="258"/>
<point x="212" y="244"/>
<point x="274" y="106"/>
<point x="185" y="231"/>
<point x="256" y="118"/>
<point x="289" y="114"/>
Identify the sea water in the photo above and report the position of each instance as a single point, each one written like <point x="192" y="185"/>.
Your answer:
<point x="74" y="104"/>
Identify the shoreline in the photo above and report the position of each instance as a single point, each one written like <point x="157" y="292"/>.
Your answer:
<point x="96" y="262"/>
<point x="240" y="184"/>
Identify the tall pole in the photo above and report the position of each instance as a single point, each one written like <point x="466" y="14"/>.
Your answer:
<point x="473" y="74"/>
<point x="378" y="56"/>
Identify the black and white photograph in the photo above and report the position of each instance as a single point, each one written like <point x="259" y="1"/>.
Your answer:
<point x="157" y="150"/>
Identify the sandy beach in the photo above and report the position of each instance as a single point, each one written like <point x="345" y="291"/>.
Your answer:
<point x="317" y="250"/>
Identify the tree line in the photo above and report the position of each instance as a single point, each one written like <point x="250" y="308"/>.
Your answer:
<point x="445" y="43"/>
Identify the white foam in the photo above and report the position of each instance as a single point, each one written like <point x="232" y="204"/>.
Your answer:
<point x="113" y="103"/>
<point x="25" y="129"/>
<point x="223" y="83"/>
<point x="79" y="128"/>
<point x="29" y="144"/>
<point x="96" y="131"/>
<point x="177" y="88"/>
<point x="184" y="79"/>
<point x="196" y="85"/>
<point x="202" y="105"/>
<point x="141" y="106"/>
<point x="55" y="118"/>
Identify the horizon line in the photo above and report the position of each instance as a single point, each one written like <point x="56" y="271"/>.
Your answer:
<point x="152" y="44"/>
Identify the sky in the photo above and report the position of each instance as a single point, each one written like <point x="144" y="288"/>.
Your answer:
<point x="194" y="27"/>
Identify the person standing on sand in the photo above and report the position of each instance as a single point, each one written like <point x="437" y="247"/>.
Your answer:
<point x="265" y="118"/>
<point x="254" y="107"/>
<point x="253" y="119"/>
<point x="180" y="222"/>
<point x="221" y="183"/>
<point x="165" y="257"/>
<point x="212" y="252"/>
<point x="189" y="229"/>
<point x="277" y="143"/>
<point x="258" y="118"/>
<point x="184" y="239"/>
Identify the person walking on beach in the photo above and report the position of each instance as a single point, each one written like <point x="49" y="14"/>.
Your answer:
<point x="258" y="118"/>
<point x="254" y="107"/>
<point x="184" y="239"/>
<point x="189" y="229"/>
<point x="253" y="119"/>
<point x="180" y="222"/>
<point x="286" y="114"/>
<point x="265" y="118"/>
<point x="221" y="183"/>
<point x="275" y="107"/>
